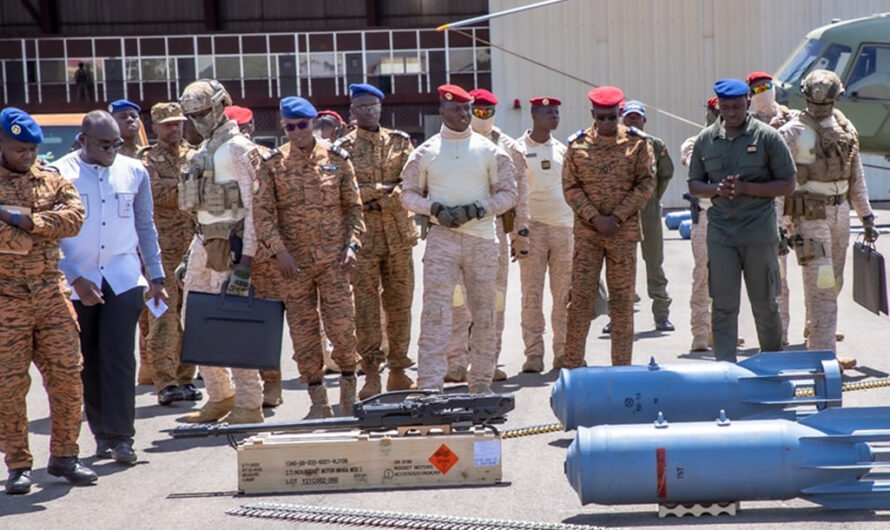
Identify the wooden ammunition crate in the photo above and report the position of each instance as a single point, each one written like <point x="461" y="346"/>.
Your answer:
<point x="287" y="463"/>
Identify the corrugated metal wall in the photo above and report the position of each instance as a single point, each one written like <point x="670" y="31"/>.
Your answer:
<point x="667" y="54"/>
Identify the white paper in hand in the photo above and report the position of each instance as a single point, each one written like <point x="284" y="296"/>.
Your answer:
<point x="158" y="310"/>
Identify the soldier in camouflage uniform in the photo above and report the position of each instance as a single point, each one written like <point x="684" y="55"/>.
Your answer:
<point x="607" y="179"/>
<point x="384" y="274"/>
<point x="37" y="322"/>
<point x="551" y="242"/>
<point x="173" y="381"/>
<point x="514" y="222"/>
<point x="825" y="147"/>
<point x="217" y="189"/>
<point x="462" y="181"/>
<point x="309" y="216"/>
<point x="652" y="245"/>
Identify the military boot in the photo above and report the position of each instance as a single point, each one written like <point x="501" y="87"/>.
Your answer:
<point x="272" y="394"/>
<point x="399" y="380"/>
<point x="244" y="415"/>
<point x="480" y="388"/>
<point x="846" y="363"/>
<point x="347" y="393"/>
<point x="212" y="411"/>
<point x="320" y="408"/>
<point x="699" y="343"/>
<point x="372" y="380"/>
<point x="534" y="364"/>
<point x="456" y="374"/>
<point x="499" y="375"/>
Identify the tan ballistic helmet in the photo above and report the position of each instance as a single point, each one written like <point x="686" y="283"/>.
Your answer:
<point x="204" y="94"/>
<point x="821" y="86"/>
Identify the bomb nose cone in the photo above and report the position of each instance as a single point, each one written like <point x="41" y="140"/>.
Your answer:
<point x="559" y="402"/>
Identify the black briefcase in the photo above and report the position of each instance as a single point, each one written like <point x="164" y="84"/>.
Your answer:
<point x="869" y="279"/>
<point x="232" y="331"/>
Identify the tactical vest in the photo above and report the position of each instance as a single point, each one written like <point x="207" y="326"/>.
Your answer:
<point x="197" y="188"/>
<point x="835" y="149"/>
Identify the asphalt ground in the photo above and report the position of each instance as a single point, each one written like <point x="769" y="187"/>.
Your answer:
<point x="191" y="483"/>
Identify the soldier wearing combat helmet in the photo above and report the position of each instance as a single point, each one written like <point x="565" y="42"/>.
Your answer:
<point x="217" y="189"/>
<point x="825" y="147"/>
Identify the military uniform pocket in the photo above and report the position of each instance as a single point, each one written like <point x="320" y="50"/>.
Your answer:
<point x="330" y="190"/>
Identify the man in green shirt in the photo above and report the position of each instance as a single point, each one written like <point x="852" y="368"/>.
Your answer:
<point x="742" y="164"/>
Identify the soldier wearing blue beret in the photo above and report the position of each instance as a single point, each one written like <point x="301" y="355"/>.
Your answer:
<point x="37" y="208"/>
<point x="126" y="114"/>
<point x="742" y="164"/>
<point x="358" y="89"/>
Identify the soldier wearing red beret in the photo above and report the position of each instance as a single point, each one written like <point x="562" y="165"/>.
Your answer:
<point x="607" y="179"/>
<point x="515" y="222"/>
<point x="462" y="181"/>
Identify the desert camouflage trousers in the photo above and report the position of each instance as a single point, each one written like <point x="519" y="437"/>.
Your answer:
<point x="620" y="257"/>
<point x="450" y="256"/>
<point x="823" y="275"/>
<point x="550" y="249"/>
<point x="221" y="383"/>
<point x="384" y="279"/>
<point x="459" y="342"/>
<point x="39" y="325"/>
<point x="700" y="299"/>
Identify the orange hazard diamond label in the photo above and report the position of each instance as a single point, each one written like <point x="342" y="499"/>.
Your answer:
<point x="443" y="459"/>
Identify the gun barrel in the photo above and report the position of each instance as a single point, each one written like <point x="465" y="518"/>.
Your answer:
<point x="216" y="429"/>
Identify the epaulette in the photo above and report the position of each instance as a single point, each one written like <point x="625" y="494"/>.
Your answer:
<point x="336" y="149"/>
<point x="636" y="132"/>
<point x="396" y="132"/>
<point x="575" y="136"/>
<point x="142" y="150"/>
<point x="269" y="154"/>
<point x="46" y="167"/>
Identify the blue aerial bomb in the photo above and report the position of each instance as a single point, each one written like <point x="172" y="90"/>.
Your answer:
<point x="769" y="385"/>
<point x="823" y="458"/>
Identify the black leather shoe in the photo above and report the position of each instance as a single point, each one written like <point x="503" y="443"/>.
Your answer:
<point x="124" y="454"/>
<point x="103" y="450"/>
<point x="607" y="329"/>
<point x="663" y="324"/>
<point x="190" y="393"/>
<point x="170" y="394"/>
<point x="19" y="482"/>
<point x="71" y="468"/>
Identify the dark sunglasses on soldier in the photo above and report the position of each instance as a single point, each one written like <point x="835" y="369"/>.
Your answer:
<point x="483" y="113"/>
<point x="605" y="117"/>
<point x="291" y="127"/>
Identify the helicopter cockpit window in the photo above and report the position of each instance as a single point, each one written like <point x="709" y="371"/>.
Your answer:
<point x="870" y="76"/>
<point x="815" y="55"/>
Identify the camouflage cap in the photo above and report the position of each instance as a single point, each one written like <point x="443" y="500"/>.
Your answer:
<point x="821" y="86"/>
<point x="166" y="112"/>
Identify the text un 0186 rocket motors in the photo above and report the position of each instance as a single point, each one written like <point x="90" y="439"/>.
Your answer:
<point x="834" y="458"/>
<point x="767" y="385"/>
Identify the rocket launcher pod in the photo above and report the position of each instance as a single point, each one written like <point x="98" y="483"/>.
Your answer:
<point x="769" y="385"/>
<point x="823" y="458"/>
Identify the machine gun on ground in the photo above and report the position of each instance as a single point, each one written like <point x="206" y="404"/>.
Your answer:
<point x="383" y="412"/>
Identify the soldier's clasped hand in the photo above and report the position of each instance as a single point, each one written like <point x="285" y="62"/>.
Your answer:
<point x="605" y="224"/>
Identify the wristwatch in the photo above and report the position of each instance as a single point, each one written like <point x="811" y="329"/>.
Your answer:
<point x="354" y="246"/>
<point x="523" y="232"/>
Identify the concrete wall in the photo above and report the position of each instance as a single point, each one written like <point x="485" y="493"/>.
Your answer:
<point x="667" y="54"/>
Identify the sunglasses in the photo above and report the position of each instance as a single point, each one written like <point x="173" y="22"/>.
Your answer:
<point x="483" y="113"/>
<point x="605" y="117"/>
<point x="366" y="108"/>
<point x="762" y="88"/>
<point x="106" y="146"/>
<point x="291" y="127"/>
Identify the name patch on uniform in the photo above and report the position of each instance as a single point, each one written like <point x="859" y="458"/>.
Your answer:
<point x="752" y="148"/>
<point x="531" y="155"/>
<point x="545" y="164"/>
<point x="329" y="167"/>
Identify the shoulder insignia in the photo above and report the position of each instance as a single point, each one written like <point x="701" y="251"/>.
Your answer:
<point x="340" y="142"/>
<point x="46" y="167"/>
<point x="636" y="132"/>
<point x="255" y="158"/>
<point x="575" y="136"/>
<point x="396" y="132"/>
<point x="270" y="154"/>
<point x="337" y="150"/>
